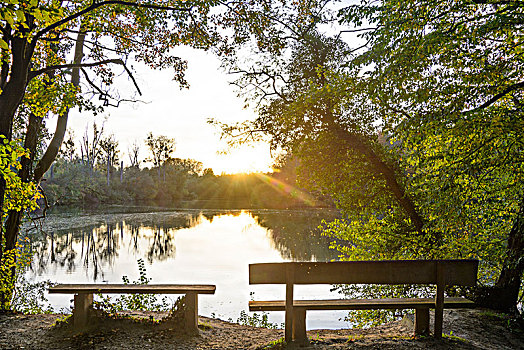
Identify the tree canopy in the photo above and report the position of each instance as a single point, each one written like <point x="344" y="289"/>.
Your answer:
<point x="418" y="121"/>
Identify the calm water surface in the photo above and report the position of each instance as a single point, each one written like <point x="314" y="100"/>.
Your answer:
<point x="186" y="246"/>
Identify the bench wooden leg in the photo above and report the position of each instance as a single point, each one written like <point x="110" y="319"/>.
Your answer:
<point x="439" y="300"/>
<point x="299" y="325"/>
<point x="422" y="321"/>
<point x="82" y="307"/>
<point x="191" y="313"/>
<point x="439" y="318"/>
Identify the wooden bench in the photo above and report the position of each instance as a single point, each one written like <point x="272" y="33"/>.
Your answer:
<point x="83" y="299"/>
<point x="440" y="272"/>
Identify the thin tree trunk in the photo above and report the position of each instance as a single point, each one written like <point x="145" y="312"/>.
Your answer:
<point x="61" y="125"/>
<point x="108" y="167"/>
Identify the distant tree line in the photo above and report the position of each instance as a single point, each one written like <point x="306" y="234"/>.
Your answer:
<point x="93" y="173"/>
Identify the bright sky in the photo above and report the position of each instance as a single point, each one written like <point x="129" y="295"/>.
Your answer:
<point x="180" y="114"/>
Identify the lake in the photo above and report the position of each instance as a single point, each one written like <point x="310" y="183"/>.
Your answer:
<point x="185" y="246"/>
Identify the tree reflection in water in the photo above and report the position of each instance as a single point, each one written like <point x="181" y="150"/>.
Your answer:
<point x="95" y="241"/>
<point x="296" y="234"/>
<point x="162" y="246"/>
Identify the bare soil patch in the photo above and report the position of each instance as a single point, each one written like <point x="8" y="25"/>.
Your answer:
<point x="469" y="329"/>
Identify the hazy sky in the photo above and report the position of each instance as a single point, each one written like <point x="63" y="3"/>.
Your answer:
<point x="180" y="114"/>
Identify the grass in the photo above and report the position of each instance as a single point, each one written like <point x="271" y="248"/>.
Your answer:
<point x="205" y="326"/>
<point x="355" y="338"/>
<point x="316" y="338"/>
<point x="493" y="314"/>
<point x="62" y="320"/>
<point x="450" y="336"/>
<point x="276" y="345"/>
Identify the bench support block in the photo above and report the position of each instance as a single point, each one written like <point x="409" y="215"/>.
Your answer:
<point x="191" y="313"/>
<point x="299" y="326"/>
<point x="82" y="306"/>
<point x="422" y="321"/>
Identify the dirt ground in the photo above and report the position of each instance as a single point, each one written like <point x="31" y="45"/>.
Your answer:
<point x="464" y="329"/>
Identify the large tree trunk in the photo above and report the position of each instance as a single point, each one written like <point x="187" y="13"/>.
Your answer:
<point x="31" y="140"/>
<point x="510" y="278"/>
<point x="504" y="295"/>
<point x="11" y="97"/>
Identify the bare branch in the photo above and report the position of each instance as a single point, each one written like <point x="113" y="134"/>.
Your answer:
<point x="91" y="83"/>
<point x="35" y="73"/>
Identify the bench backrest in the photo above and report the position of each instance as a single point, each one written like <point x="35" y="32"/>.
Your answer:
<point x="451" y="272"/>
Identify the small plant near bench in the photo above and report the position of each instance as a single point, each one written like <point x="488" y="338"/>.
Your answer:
<point x="110" y="307"/>
<point x="455" y="338"/>
<point x="61" y="321"/>
<point x="176" y="317"/>
<point x="134" y="302"/>
<point x="355" y="338"/>
<point x="278" y="344"/>
<point x="257" y="320"/>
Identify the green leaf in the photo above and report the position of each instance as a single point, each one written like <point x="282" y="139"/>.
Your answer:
<point x="3" y="44"/>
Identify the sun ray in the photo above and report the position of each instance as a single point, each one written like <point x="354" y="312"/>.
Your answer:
<point x="282" y="187"/>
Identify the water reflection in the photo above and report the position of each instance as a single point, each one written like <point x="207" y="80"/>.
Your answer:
<point x="94" y="242"/>
<point x="184" y="246"/>
<point x="296" y="234"/>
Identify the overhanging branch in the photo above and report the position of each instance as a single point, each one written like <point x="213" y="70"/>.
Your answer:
<point x="94" y="6"/>
<point x="497" y="97"/>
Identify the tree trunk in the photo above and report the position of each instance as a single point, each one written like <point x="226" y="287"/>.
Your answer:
<point x="108" y="168"/>
<point x="510" y="278"/>
<point x="31" y="140"/>
<point x="11" y="97"/>
<point x="385" y="171"/>
<point x="504" y="295"/>
<point x="61" y="125"/>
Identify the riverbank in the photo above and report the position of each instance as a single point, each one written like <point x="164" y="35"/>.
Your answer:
<point x="464" y="329"/>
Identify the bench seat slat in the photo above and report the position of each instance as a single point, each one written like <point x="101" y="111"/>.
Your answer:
<point x="360" y="304"/>
<point x="133" y="288"/>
